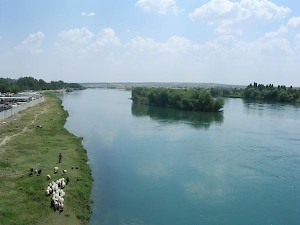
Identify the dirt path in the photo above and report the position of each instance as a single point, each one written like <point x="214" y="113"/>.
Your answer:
<point x="8" y="138"/>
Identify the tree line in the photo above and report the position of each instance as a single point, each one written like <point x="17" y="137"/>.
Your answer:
<point x="30" y="83"/>
<point x="268" y="92"/>
<point x="193" y="99"/>
<point x="262" y="92"/>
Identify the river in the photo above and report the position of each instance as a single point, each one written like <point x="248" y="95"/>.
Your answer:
<point x="155" y="166"/>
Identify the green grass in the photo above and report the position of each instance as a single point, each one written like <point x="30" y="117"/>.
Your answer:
<point x="22" y="197"/>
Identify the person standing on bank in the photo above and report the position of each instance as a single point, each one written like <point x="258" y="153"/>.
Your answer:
<point x="60" y="158"/>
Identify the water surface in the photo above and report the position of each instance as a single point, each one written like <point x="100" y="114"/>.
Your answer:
<point x="154" y="166"/>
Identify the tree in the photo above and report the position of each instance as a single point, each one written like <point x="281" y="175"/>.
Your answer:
<point x="30" y="83"/>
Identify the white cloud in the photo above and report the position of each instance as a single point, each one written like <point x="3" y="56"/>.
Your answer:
<point x="82" y="40"/>
<point x="265" y="9"/>
<point x="216" y="60"/>
<point x="32" y="44"/>
<point x="174" y="45"/>
<point x="281" y="31"/>
<point x="179" y="44"/>
<point x="225" y="9"/>
<point x="223" y="60"/>
<point x="294" y="22"/>
<point x="275" y="49"/>
<point x="178" y="58"/>
<point x="225" y="28"/>
<point x="78" y="35"/>
<point x="158" y="6"/>
<point x="215" y="9"/>
<point x="88" y="14"/>
<point x="143" y="44"/>
<point x="107" y="37"/>
<point x="227" y="14"/>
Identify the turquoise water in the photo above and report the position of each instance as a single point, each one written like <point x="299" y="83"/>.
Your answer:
<point x="156" y="166"/>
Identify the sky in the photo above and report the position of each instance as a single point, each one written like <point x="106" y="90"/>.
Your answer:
<point x="205" y="41"/>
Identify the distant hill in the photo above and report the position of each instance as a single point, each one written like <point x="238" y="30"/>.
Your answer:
<point x="129" y="85"/>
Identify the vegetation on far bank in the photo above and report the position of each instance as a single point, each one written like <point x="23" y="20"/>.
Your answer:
<point x="34" y="139"/>
<point x="30" y="83"/>
<point x="262" y="92"/>
<point x="269" y="92"/>
<point x="194" y="99"/>
<point x="210" y="99"/>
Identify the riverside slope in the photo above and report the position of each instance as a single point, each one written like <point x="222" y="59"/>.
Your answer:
<point x="25" y="146"/>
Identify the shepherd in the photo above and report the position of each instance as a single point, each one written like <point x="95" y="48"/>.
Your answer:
<point x="60" y="158"/>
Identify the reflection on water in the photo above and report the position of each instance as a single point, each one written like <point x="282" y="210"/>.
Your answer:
<point x="260" y="108"/>
<point x="167" y="115"/>
<point x="260" y="105"/>
<point x="150" y="168"/>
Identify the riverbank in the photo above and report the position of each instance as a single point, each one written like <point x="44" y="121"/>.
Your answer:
<point x="34" y="139"/>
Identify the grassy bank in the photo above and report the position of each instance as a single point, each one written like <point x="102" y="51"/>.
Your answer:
<point x="23" y="145"/>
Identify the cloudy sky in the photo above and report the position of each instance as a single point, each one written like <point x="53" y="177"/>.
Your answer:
<point x="219" y="41"/>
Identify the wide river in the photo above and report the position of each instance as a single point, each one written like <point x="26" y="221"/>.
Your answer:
<point x="155" y="166"/>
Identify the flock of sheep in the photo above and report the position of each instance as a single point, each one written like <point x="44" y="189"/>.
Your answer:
<point x="56" y="192"/>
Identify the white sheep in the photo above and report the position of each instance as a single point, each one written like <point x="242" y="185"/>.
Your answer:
<point x="64" y="171"/>
<point x="61" y="207"/>
<point x="63" y="184"/>
<point x="55" y="169"/>
<point x="48" y="177"/>
<point x="61" y="193"/>
<point x="54" y="189"/>
<point x="48" y="192"/>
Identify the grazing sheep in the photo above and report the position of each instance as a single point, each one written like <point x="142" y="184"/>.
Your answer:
<point x="64" y="171"/>
<point x="48" y="177"/>
<point x="62" y="193"/>
<point x="48" y="191"/>
<point x="35" y="170"/>
<point x="30" y="172"/>
<point x="55" y="169"/>
<point x="54" y="190"/>
<point x="61" y="207"/>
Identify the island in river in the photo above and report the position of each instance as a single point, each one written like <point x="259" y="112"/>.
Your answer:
<point x="193" y="99"/>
